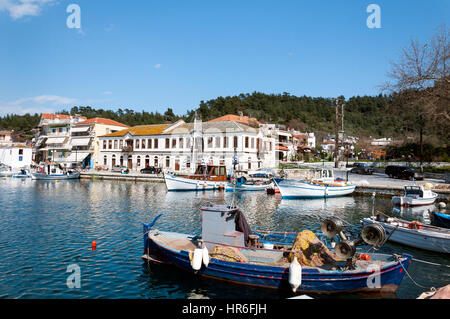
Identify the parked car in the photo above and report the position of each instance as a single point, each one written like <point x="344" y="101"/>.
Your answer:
<point x="361" y="168"/>
<point x="120" y="169"/>
<point x="151" y="170"/>
<point x="403" y="172"/>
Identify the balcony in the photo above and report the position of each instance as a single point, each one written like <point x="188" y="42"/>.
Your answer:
<point x="127" y="149"/>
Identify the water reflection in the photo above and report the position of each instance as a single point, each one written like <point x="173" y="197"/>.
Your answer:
<point x="53" y="224"/>
<point x="419" y="213"/>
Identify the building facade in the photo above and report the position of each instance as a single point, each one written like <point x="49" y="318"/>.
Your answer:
<point x="181" y="146"/>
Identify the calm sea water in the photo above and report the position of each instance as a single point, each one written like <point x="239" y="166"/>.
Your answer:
<point x="47" y="226"/>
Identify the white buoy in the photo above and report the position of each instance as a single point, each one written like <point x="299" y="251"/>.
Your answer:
<point x="295" y="274"/>
<point x="205" y="258"/>
<point x="197" y="259"/>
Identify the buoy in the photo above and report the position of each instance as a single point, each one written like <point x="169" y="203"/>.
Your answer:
<point x="295" y="274"/>
<point x="205" y="258"/>
<point x="94" y="245"/>
<point x="197" y="259"/>
<point x="56" y="181"/>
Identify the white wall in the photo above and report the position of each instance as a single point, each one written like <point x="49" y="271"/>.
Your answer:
<point x="10" y="156"/>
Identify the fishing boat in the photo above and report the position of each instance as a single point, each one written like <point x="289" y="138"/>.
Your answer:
<point x="53" y="171"/>
<point x="22" y="174"/>
<point x="440" y="219"/>
<point x="6" y="171"/>
<point x="206" y="177"/>
<point x="290" y="189"/>
<point x="415" y="196"/>
<point x="222" y="252"/>
<point x="248" y="186"/>
<point x="413" y="233"/>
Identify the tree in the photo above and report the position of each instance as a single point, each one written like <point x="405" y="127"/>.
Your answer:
<point x="421" y="81"/>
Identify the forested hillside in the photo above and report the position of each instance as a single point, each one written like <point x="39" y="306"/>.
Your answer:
<point x="376" y="116"/>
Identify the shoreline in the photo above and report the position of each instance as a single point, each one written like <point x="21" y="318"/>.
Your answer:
<point x="360" y="189"/>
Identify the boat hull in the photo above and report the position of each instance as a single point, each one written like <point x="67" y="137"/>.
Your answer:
<point x="411" y="201"/>
<point x="440" y="220"/>
<point x="307" y="190"/>
<point x="40" y="176"/>
<point x="244" y="187"/>
<point x="314" y="280"/>
<point x="417" y="238"/>
<point x="178" y="183"/>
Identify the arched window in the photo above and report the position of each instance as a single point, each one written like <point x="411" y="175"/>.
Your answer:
<point x="121" y="161"/>
<point x="138" y="161"/>
<point x="147" y="160"/>
<point x="167" y="161"/>
<point x="249" y="163"/>
<point x="113" y="160"/>
<point x="105" y="160"/>
<point x="156" y="161"/>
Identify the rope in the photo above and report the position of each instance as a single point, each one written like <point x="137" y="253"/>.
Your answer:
<point x="430" y="263"/>
<point x="407" y="273"/>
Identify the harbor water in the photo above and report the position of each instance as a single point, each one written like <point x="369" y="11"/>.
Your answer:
<point x="47" y="226"/>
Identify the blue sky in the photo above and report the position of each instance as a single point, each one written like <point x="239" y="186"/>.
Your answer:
<point x="150" y="55"/>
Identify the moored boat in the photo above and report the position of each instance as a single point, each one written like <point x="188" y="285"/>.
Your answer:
<point x="22" y="174"/>
<point x="206" y="177"/>
<point x="440" y="219"/>
<point x="413" y="233"/>
<point x="53" y="171"/>
<point x="223" y="253"/>
<point x="415" y="196"/>
<point x="291" y="189"/>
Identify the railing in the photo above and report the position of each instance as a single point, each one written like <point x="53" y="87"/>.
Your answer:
<point x="127" y="149"/>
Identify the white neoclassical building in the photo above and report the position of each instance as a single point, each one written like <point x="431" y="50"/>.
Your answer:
<point x="182" y="146"/>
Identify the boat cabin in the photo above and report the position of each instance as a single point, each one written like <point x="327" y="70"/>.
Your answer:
<point x="215" y="173"/>
<point x="50" y="168"/>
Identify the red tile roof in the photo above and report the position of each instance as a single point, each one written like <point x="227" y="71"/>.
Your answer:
<point x="52" y="116"/>
<point x="236" y="118"/>
<point x="100" y="120"/>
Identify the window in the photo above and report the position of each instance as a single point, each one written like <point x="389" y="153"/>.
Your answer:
<point x="210" y="142"/>
<point x="253" y="142"/>
<point x="225" y="142"/>
<point x="121" y="144"/>
<point x="138" y="160"/>
<point x="156" y="161"/>
<point x="174" y="143"/>
<point x="149" y="143"/>
<point x="249" y="163"/>
<point x="104" y="145"/>
<point x="115" y="144"/>
<point x="110" y="144"/>
<point x="188" y="143"/>
<point x="156" y="143"/>
<point x="143" y="143"/>
<point x="217" y="142"/>
<point x="167" y="142"/>
<point x="105" y="160"/>
<point x="180" y="142"/>
<point x="138" y="144"/>
<point x="235" y="142"/>
<point x="167" y="161"/>
<point x="20" y="151"/>
<point x="246" y="142"/>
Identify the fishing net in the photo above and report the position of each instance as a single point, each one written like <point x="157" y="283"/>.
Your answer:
<point x="310" y="251"/>
<point x="227" y="253"/>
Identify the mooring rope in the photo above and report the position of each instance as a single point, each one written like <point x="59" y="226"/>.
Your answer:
<point x="430" y="263"/>
<point x="410" y="277"/>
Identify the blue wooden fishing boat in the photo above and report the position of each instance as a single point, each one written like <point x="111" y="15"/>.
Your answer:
<point x="440" y="219"/>
<point x="265" y="265"/>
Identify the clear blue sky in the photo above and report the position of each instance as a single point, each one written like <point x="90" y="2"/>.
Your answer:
<point x="150" y="55"/>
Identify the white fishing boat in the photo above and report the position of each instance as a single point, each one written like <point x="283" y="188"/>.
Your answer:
<point x="415" y="196"/>
<point x="319" y="187"/>
<point x="413" y="233"/>
<point x="206" y="177"/>
<point x="24" y="173"/>
<point x="53" y="171"/>
<point x="6" y="171"/>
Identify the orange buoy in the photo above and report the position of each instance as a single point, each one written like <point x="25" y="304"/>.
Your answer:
<point x="94" y="245"/>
